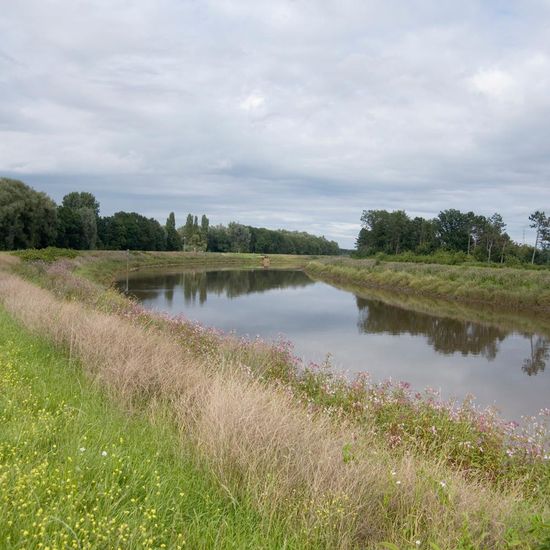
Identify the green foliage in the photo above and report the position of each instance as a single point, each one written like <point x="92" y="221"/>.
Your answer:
<point x="452" y="237"/>
<point x="83" y="199"/>
<point x="129" y="230"/>
<point x="541" y="223"/>
<point x="259" y="240"/>
<point x="48" y="255"/>
<point x="514" y="288"/>
<point x="27" y="218"/>
<point x="239" y="237"/>
<point x="194" y="237"/>
<point x="77" y="220"/>
<point x="173" y="239"/>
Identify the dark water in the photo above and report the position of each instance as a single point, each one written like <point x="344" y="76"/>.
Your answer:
<point x="502" y="366"/>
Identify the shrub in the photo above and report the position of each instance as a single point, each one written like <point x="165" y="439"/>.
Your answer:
<point x="49" y="254"/>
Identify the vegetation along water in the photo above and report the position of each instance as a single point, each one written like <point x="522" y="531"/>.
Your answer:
<point x="350" y="464"/>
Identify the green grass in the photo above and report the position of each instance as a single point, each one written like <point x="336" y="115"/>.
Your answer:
<point x="76" y="472"/>
<point x="104" y="266"/>
<point x="507" y="287"/>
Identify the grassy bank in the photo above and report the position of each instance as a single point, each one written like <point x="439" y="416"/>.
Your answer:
<point x="78" y="472"/>
<point x="507" y="287"/>
<point x="490" y="315"/>
<point x="349" y="465"/>
<point x="104" y="266"/>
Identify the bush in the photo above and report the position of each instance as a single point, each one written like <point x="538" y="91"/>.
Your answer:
<point x="49" y="254"/>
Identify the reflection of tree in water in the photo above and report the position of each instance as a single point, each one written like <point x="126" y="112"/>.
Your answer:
<point x="232" y="283"/>
<point x="444" y="334"/>
<point x="237" y="283"/>
<point x="540" y="353"/>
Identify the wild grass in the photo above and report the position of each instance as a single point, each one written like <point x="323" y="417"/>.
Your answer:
<point x="493" y="315"/>
<point x="446" y="257"/>
<point x="49" y="254"/>
<point x="78" y="472"/>
<point x="339" y="487"/>
<point x="509" y="287"/>
<point x="104" y="266"/>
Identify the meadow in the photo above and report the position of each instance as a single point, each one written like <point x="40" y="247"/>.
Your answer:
<point x="315" y="460"/>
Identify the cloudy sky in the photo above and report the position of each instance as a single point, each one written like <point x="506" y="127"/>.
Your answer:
<point x="295" y="114"/>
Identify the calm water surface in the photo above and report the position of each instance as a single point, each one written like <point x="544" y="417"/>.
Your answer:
<point x="499" y="366"/>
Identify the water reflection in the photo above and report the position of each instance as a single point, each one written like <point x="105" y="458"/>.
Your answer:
<point x="444" y="334"/>
<point x="447" y="335"/>
<point x="196" y="285"/>
<point x="540" y="353"/>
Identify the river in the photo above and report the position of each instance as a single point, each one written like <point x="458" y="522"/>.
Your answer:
<point x="500" y="363"/>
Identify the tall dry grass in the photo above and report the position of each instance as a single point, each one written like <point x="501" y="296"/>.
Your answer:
<point x="342" y="491"/>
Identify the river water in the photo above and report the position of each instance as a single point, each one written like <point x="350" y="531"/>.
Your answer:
<point x="498" y="360"/>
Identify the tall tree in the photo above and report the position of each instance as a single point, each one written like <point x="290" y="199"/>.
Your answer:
<point x="188" y="230"/>
<point x="205" y="222"/>
<point x="78" y="219"/>
<point x="541" y="224"/>
<point x="494" y="229"/>
<point x="173" y="239"/>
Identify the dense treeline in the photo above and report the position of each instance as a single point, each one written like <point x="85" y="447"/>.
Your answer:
<point x="29" y="219"/>
<point x="474" y="236"/>
<point x="242" y="238"/>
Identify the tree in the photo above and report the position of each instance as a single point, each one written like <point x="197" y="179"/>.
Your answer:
<point x="541" y="223"/>
<point x="81" y="200"/>
<point x="173" y="239"/>
<point x="218" y="239"/>
<point x="28" y="219"/>
<point x="205" y="222"/>
<point x="492" y="232"/>
<point x="239" y="237"/>
<point x="78" y="218"/>
<point x="454" y="229"/>
<point x="129" y="230"/>
<point x="188" y="230"/>
<point x="70" y="228"/>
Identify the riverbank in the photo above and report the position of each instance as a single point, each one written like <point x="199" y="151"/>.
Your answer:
<point x="103" y="267"/>
<point x="76" y="471"/>
<point x="514" y="289"/>
<point x="354" y="465"/>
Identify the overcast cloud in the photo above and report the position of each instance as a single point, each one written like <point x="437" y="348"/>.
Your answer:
<point x="278" y="113"/>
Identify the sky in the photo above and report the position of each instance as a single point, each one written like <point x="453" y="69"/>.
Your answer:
<point x="282" y="114"/>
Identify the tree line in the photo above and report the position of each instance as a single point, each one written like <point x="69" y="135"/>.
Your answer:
<point x="482" y="238"/>
<point x="31" y="219"/>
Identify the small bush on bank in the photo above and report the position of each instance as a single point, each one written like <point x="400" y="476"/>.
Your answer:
<point x="49" y="254"/>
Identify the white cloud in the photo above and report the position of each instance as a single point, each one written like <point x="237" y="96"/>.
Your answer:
<point x="496" y="84"/>
<point x="253" y="102"/>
